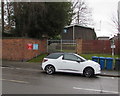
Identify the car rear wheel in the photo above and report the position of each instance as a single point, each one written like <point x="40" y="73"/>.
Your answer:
<point x="88" y="72"/>
<point x="50" y="69"/>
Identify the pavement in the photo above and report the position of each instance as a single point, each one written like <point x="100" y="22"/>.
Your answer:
<point x="110" y="73"/>
<point x="18" y="64"/>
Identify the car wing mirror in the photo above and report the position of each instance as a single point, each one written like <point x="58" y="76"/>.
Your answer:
<point x="78" y="61"/>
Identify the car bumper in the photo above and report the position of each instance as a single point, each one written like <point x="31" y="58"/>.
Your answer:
<point x="98" y="71"/>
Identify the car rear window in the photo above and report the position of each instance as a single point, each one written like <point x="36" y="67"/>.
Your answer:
<point x="54" y="55"/>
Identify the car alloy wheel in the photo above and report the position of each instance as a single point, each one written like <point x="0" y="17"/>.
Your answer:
<point x="50" y="69"/>
<point x="88" y="72"/>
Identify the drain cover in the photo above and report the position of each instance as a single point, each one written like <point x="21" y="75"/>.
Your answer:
<point x="5" y="66"/>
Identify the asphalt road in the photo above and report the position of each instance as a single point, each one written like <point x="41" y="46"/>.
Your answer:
<point x="23" y="80"/>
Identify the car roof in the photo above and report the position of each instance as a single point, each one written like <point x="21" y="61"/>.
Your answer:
<point x="56" y="55"/>
<point x="62" y="53"/>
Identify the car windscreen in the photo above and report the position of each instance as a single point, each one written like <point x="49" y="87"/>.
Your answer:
<point x="83" y="59"/>
<point x="54" y="55"/>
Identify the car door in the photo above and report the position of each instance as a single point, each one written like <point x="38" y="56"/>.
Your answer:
<point x="71" y="63"/>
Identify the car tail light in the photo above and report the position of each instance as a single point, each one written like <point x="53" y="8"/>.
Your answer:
<point x="44" y="60"/>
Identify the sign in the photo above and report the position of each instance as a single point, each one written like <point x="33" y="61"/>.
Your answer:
<point x="112" y="46"/>
<point x="29" y="46"/>
<point x="35" y="46"/>
<point x="65" y="30"/>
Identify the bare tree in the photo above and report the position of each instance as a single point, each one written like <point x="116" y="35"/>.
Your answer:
<point x="83" y="14"/>
<point x="115" y="17"/>
<point x="9" y="15"/>
<point x="2" y="15"/>
<point x="119" y="17"/>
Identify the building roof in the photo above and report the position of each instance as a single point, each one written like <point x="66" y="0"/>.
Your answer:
<point x="103" y="38"/>
<point x="77" y="25"/>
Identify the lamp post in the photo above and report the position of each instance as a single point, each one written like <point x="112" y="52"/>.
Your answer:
<point x="112" y="46"/>
<point x="73" y="32"/>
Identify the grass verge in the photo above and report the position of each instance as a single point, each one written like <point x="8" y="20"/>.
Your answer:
<point x="38" y="58"/>
<point x="89" y="56"/>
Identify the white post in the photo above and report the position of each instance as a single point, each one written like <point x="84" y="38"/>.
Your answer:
<point x="113" y="56"/>
<point x="113" y="46"/>
<point x="112" y="52"/>
<point x="113" y="49"/>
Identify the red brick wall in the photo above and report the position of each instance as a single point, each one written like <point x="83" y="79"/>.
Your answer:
<point x="16" y="49"/>
<point x="99" y="46"/>
<point x="117" y="50"/>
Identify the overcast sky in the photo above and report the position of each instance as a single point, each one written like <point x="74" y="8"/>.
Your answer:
<point x="103" y="11"/>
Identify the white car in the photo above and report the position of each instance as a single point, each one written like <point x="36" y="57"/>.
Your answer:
<point x="70" y="62"/>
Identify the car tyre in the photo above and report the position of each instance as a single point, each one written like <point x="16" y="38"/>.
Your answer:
<point x="50" y="69"/>
<point x="88" y="72"/>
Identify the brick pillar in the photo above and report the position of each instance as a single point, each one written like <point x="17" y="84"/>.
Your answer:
<point x="79" y="46"/>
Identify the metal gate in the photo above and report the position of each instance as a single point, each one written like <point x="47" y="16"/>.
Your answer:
<point x="61" y="46"/>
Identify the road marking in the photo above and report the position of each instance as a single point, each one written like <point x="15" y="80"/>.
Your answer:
<point x="105" y="77"/>
<point x="7" y="67"/>
<point x="26" y="69"/>
<point x="105" y="91"/>
<point x="16" y="81"/>
<point x="18" y="68"/>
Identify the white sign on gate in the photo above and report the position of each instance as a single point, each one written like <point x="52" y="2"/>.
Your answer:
<point x="113" y="46"/>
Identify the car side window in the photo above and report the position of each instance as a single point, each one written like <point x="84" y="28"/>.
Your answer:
<point x="71" y="57"/>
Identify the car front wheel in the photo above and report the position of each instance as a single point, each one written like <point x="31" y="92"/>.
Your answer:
<point x="88" y="72"/>
<point x="50" y="69"/>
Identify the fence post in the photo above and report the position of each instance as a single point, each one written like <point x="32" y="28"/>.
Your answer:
<point x="61" y="45"/>
<point x="47" y="45"/>
<point x="79" y="46"/>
